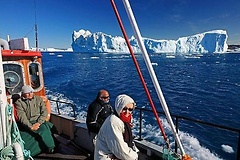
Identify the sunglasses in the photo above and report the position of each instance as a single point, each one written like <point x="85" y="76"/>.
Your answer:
<point x="129" y="109"/>
<point x="105" y="97"/>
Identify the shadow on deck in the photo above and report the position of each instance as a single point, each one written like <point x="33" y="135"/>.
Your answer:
<point x="67" y="150"/>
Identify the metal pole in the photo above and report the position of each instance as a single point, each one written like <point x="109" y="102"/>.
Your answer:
<point x="36" y="29"/>
<point x="152" y="73"/>
<point x="140" y="123"/>
<point x="238" y="153"/>
<point x="3" y="104"/>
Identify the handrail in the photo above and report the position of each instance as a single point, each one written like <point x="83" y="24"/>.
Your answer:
<point x="58" y="109"/>
<point x="177" y="117"/>
<point x="193" y="120"/>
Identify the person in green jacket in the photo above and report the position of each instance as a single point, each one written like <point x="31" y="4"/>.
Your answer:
<point x="36" y="132"/>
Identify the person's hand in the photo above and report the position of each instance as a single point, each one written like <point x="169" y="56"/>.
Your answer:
<point x="35" y="126"/>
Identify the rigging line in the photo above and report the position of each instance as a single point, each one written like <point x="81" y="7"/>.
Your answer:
<point x="34" y="26"/>
<point x="35" y="20"/>
<point x="139" y="72"/>
<point x="152" y="73"/>
<point x="29" y="31"/>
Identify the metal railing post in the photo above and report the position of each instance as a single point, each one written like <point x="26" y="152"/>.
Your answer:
<point x="58" y="108"/>
<point x="140" y="125"/>
<point x="177" y="126"/>
<point x="74" y="112"/>
<point x="238" y="153"/>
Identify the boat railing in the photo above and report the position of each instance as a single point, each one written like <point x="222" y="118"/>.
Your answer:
<point x="58" y="102"/>
<point x="177" y="118"/>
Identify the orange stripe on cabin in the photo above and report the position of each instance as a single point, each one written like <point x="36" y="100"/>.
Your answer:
<point x="21" y="53"/>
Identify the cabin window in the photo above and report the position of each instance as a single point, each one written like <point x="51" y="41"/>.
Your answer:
<point x="34" y="72"/>
<point x="13" y="77"/>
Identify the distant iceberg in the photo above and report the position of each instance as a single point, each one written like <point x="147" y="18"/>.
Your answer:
<point x="53" y="49"/>
<point x="208" y="42"/>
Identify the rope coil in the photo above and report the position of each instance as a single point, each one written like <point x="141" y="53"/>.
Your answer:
<point x="13" y="138"/>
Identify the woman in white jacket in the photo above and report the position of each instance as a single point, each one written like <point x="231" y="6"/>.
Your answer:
<point x="115" y="140"/>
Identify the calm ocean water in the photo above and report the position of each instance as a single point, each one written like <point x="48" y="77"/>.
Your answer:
<point x="205" y="88"/>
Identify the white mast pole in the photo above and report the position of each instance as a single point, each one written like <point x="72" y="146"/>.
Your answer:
<point x="3" y="104"/>
<point x="152" y="73"/>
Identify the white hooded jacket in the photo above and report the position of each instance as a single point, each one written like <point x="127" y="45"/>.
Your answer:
<point x="110" y="137"/>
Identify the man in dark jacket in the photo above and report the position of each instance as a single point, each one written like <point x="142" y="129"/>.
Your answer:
<point x="97" y="112"/>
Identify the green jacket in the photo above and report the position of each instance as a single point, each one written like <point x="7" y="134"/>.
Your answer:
<point x="31" y="111"/>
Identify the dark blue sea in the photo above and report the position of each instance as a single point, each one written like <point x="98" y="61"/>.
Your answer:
<point x="203" y="87"/>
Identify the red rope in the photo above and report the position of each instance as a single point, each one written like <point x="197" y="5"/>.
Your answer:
<point x="138" y="70"/>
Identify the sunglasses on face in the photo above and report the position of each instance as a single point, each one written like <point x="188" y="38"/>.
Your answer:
<point x="105" y="97"/>
<point x="129" y="109"/>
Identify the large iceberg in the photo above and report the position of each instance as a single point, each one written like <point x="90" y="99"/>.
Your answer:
<point x="208" y="42"/>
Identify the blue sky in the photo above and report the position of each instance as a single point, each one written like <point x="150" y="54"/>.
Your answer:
<point x="157" y="19"/>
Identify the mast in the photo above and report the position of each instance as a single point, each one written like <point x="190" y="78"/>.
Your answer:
<point x="36" y="37"/>
<point x="35" y="26"/>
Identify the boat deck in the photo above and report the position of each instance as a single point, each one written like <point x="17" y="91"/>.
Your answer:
<point x="67" y="150"/>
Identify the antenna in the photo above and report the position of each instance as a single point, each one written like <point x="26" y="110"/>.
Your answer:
<point x="36" y="33"/>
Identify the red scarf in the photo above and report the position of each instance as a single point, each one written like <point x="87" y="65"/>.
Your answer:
<point x="126" y="119"/>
